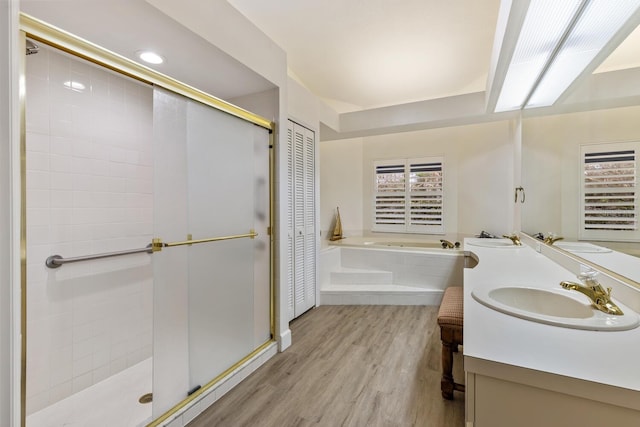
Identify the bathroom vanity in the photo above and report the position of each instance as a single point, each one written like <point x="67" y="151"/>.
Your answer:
<point x="538" y="371"/>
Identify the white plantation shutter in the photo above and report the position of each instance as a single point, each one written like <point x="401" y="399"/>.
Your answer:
<point x="409" y="195"/>
<point x="390" y="196"/>
<point x="609" y="208"/>
<point x="426" y="196"/>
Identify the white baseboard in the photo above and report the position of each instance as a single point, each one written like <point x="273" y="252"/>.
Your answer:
<point x="285" y="340"/>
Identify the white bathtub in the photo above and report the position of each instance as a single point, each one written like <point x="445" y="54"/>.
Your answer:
<point x="376" y="271"/>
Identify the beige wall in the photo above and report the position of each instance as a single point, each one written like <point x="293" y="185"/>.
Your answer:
<point x="341" y="185"/>
<point x="478" y="175"/>
<point x="551" y="163"/>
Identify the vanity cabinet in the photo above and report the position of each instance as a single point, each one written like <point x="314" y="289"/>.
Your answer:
<point x="529" y="373"/>
<point x="499" y="395"/>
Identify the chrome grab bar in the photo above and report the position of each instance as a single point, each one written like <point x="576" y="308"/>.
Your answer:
<point x="55" y="261"/>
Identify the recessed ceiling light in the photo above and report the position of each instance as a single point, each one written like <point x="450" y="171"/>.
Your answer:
<point x="150" y="57"/>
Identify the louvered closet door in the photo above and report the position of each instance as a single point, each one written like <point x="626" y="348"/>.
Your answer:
<point x="290" y="220"/>
<point x="309" y="221"/>
<point x="301" y="195"/>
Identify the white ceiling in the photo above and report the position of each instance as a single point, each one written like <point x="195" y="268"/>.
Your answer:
<point x="370" y="53"/>
<point x="360" y="54"/>
<point x="355" y="54"/>
<point x="627" y="55"/>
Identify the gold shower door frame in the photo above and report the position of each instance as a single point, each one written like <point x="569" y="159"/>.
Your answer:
<point x="38" y="30"/>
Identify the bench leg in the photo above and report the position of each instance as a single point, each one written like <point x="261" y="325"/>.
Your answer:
<point x="446" y="384"/>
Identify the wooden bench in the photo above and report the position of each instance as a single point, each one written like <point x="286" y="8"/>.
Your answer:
<point x="450" y="318"/>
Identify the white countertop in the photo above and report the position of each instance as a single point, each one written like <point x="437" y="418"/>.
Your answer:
<point x="621" y="263"/>
<point x="605" y="357"/>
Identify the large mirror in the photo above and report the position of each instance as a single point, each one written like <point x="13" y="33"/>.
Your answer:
<point x="580" y="163"/>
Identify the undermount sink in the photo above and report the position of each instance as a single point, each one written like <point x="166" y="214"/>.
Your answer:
<point x="493" y="243"/>
<point x="581" y="247"/>
<point x="554" y="307"/>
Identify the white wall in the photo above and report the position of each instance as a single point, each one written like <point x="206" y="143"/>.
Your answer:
<point x="552" y="165"/>
<point x="227" y="29"/>
<point x="478" y="175"/>
<point x="89" y="190"/>
<point x="303" y="106"/>
<point x="264" y="104"/>
<point x="341" y="186"/>
<point x="485" y="178"/>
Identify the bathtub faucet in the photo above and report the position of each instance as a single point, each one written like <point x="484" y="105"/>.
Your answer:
<point x="448" y="245"/>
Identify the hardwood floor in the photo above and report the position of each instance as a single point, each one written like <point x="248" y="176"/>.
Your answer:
<point x="348" y="366"/>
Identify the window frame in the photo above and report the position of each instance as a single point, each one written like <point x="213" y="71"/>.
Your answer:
<point x="407" y="222"/>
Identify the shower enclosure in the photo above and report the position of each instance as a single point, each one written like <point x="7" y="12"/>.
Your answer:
<point x="153" y="211"/>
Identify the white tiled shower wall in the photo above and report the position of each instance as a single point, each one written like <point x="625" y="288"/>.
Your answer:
<point x="89" y="190"/>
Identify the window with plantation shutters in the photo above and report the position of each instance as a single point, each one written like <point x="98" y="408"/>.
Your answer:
<point x="409" y="195"/>
<point x="609" y="208"/>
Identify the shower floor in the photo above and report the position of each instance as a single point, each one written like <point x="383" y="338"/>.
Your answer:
<point x="109" y="403"/>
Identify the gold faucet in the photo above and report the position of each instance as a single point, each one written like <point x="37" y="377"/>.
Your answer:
<point x="600" y="298"/>
<point x="514" y="238"/>
<point x="447" y="244"/>
<point x="551" y="239"/>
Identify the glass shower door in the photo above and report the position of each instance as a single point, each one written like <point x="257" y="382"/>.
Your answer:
<point x="212" y="299"/>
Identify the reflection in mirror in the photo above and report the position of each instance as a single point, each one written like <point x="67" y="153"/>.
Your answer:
<point x="579" y="165"/>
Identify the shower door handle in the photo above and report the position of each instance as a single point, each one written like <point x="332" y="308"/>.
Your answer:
<point x="157" y="244"/>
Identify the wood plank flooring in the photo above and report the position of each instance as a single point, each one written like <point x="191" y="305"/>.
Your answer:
<point x="348" y="366"/>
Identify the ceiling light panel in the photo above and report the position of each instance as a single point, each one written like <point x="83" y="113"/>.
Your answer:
<point x="545" y="23"/>
<point x="600" y="22"/>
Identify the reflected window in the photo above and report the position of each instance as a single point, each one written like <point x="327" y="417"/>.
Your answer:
<point x="609" y="205"/>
